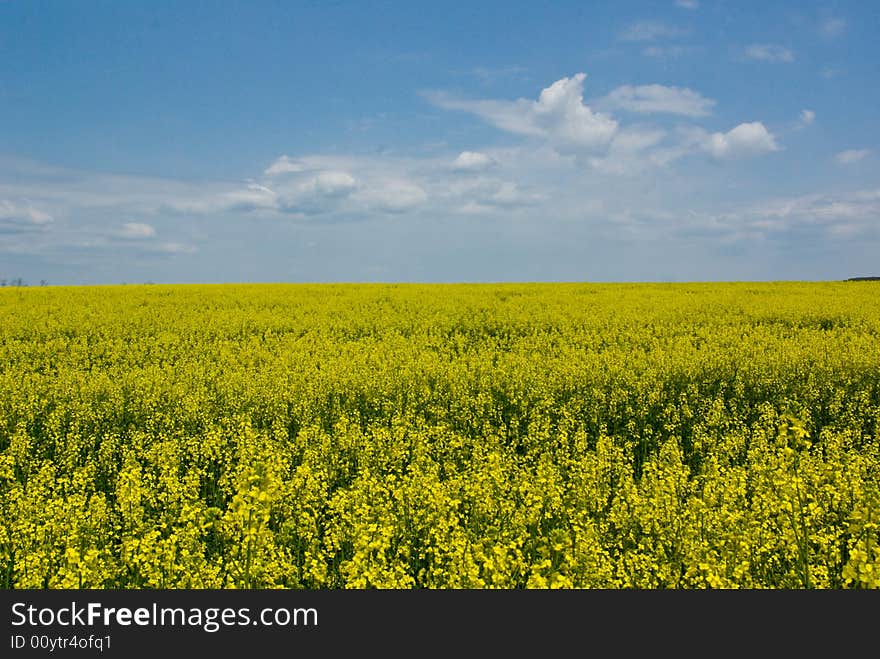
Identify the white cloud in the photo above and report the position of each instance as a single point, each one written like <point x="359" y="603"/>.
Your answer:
<point x="472" y="161"/>
<point x="317" y="191"/>
<point x="769" y="53"/>
<point x="633" y="150"/>
<point x="256" y="187"/>
<point x="832" y="27"/>
<point x="571" y="208"/>
<point x="137" y="230"/>
<point x="807" y="117"/>
<point x="333" y="183"/>
<point x="687" y="4"/>
<point x="510" y="194"/>
<point x="357" y="187"/>
<point x="22" y="214"/>
<point x="561" y="111"/>
<point x="851" y="156"/>
<point x="510" y="116"/>
<point x="744" y="140"/>
<point x="486" y="195"/>
<point x="636" y="140"/>
<point x="659" y="99"/>
<point x="284" y="165"/>
<point x="231" y="197"/>
<point x="835" y="216"/>
<point x="394" y="196"/>
<point x="175" y="248"/>
<point x="65" y="194"/>
<point x="652" y="31"/>
<point x="559" y="115"/>
<point x="488" y="74"/>
<point x="667" y="52"/>
<point x="858" y="208"/>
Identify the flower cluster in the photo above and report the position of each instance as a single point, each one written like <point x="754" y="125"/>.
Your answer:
<point x="440" y="436"/>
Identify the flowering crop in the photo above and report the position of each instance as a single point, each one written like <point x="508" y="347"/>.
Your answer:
<point x="441" y="436"/>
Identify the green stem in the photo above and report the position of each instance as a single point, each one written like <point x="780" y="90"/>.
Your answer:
<point x="802" y="542"/>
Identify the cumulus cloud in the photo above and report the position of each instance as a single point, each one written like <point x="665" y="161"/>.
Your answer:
<point x="137" y="230"/>
<point x="595" y="138"/>
<point x="769" y="53"/>
<point x="747" y="139"/>
<point x="559" y="115"/>
<point x="318" y="191"/>
<point x="807" y="117"/>
<point x="472" y="161"/>
<point x="659" y="99"/>
<point x="333" y="184"/>
<point x="573" y="164"/>
<point x="851" y="156"/>
<point x="651" y="31"/>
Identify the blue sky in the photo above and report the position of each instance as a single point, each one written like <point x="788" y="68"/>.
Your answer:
<point x="674" y="140"/>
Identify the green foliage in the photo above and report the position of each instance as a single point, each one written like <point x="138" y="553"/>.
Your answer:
<point x="443" y="436"/>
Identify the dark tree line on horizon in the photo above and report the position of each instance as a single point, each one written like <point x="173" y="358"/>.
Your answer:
<point x="19" y="282"/>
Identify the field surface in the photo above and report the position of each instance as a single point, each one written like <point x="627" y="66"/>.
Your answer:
<point x="440" y="436"/>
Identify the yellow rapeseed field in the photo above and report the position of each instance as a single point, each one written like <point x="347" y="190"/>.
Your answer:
<point x="441" y="436"/>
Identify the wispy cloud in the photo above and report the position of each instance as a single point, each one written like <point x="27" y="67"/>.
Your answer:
<point x="21" y="216"/>
<point x="394" y="196"/>
<point x="668" y="51"/>
<point x="137" y="230"/>
<point x="533" y="192"/>
<point x="851" y="156"/>
<point x="805" y="119"/>
<point x="769" y="53"/>
<point x="687" y="4"/>
<point x="284" y="165"/>
<point x="649" y="99"/>
<point x="652" y="31"/>
<point x="832" y="27"/>
<point x="175" y="248"/>
<point x="491" y="74"/>
<point x="841" y="214"/>
<point x="831" y="216"/>
<point x="636" y="149"/>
